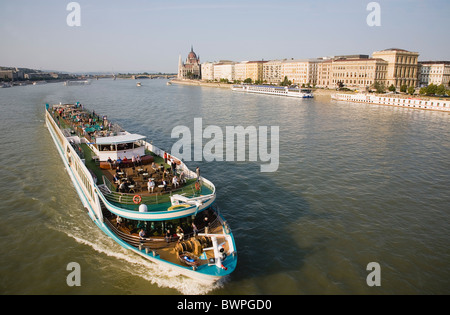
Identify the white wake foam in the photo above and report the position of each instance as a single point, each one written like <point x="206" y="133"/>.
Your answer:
<point x="159" y="275"/>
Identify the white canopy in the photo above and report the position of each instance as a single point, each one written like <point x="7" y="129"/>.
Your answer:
<point x="128" y="138"/>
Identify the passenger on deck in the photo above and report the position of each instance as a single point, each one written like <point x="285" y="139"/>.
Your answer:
<point x="180" y="233"/>
<point x="175" y="183"/>
<point x="110" y="163"/>
<point x="168" y="236"/>
<point x="197" y="170"/>
<point x="182" y="178"/>
<point x="138" y="160"/>
<point x="141" y="236"/>
<point x="119" y="221"/>
<point x="165" y="184"/>
<point x="133" y="160"/>
<point x="174" y="167"/>
<point x="150" y="185"/>
<point x="119" y="162"/>
<point x="123" y="187"/>
<point x="194" y="229"/>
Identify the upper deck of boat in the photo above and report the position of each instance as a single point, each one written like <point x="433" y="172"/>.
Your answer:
<point x="122" y="180"/>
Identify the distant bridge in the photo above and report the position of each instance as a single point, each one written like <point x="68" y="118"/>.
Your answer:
<point x="153" y="76"/>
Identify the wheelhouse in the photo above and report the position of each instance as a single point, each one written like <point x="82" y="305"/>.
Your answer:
<point x="124" y="146"/>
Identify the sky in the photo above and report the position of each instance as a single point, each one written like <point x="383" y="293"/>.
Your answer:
<point x="145" y="35"/>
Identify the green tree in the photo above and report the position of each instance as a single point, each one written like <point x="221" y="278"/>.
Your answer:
<point x="411" y="90"/>
<point x="431" y="89"/>
<point x="440" y="89"/>
<point x="423" y="91"/>
<point x="379" y="87"/>
<point x="286" y="82"/>
<point x="248" y="80"/>
<point x="392" y="88"/>
<point x="403" y="88"/>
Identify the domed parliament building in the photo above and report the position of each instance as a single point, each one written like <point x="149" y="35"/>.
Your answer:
<point x="191" y="68"/>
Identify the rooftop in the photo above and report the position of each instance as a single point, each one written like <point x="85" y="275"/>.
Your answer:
<point x="435" y="62"/>
<point x="397" y="49"/>
<point x="128" y="138"/>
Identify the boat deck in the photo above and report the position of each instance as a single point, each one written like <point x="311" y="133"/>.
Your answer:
<point x="135" y="177"/>
<point x="171" y="249"/>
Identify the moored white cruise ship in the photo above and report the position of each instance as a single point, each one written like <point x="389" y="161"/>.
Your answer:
<point x="391" y="100"/>
<point x="146" y="200"/>
<point x="274" y="90"/>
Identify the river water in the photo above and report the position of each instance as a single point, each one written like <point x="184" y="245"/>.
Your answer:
<point x="356" y="183"/>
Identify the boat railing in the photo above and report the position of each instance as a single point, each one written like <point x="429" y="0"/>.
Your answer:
<point x="159" y="242"/>
<point x="189" y="174"/>
<point x="156" y="198"/>
<point x="78" y="149"/>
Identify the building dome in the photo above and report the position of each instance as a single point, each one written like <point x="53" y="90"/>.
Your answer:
<point x="192" y="55"/>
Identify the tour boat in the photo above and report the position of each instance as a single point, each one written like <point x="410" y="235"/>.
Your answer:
<point x="138" y="84"/>
<point x="273" y="90"/>
<point x="176" y="223"/>
<point x="76" y="82"/>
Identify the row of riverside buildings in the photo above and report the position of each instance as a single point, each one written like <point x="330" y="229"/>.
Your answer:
<point x="392" y="66"/>
<point x="21" y="74"/>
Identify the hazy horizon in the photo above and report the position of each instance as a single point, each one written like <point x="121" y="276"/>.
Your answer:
<point x="138" y="36"/>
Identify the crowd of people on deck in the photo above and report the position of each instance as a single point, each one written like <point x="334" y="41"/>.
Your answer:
<point x="170" y="231"/>
<point x="153" y="177"/>
<point x="88" y="123"/>
<point x="158" y="175"/>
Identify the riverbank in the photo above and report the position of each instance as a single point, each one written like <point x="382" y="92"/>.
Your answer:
<point x="201" y="83"/>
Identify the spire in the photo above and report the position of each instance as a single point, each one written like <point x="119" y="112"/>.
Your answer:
<point x="180" y="66"/>
<point x="192" y="48"/>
